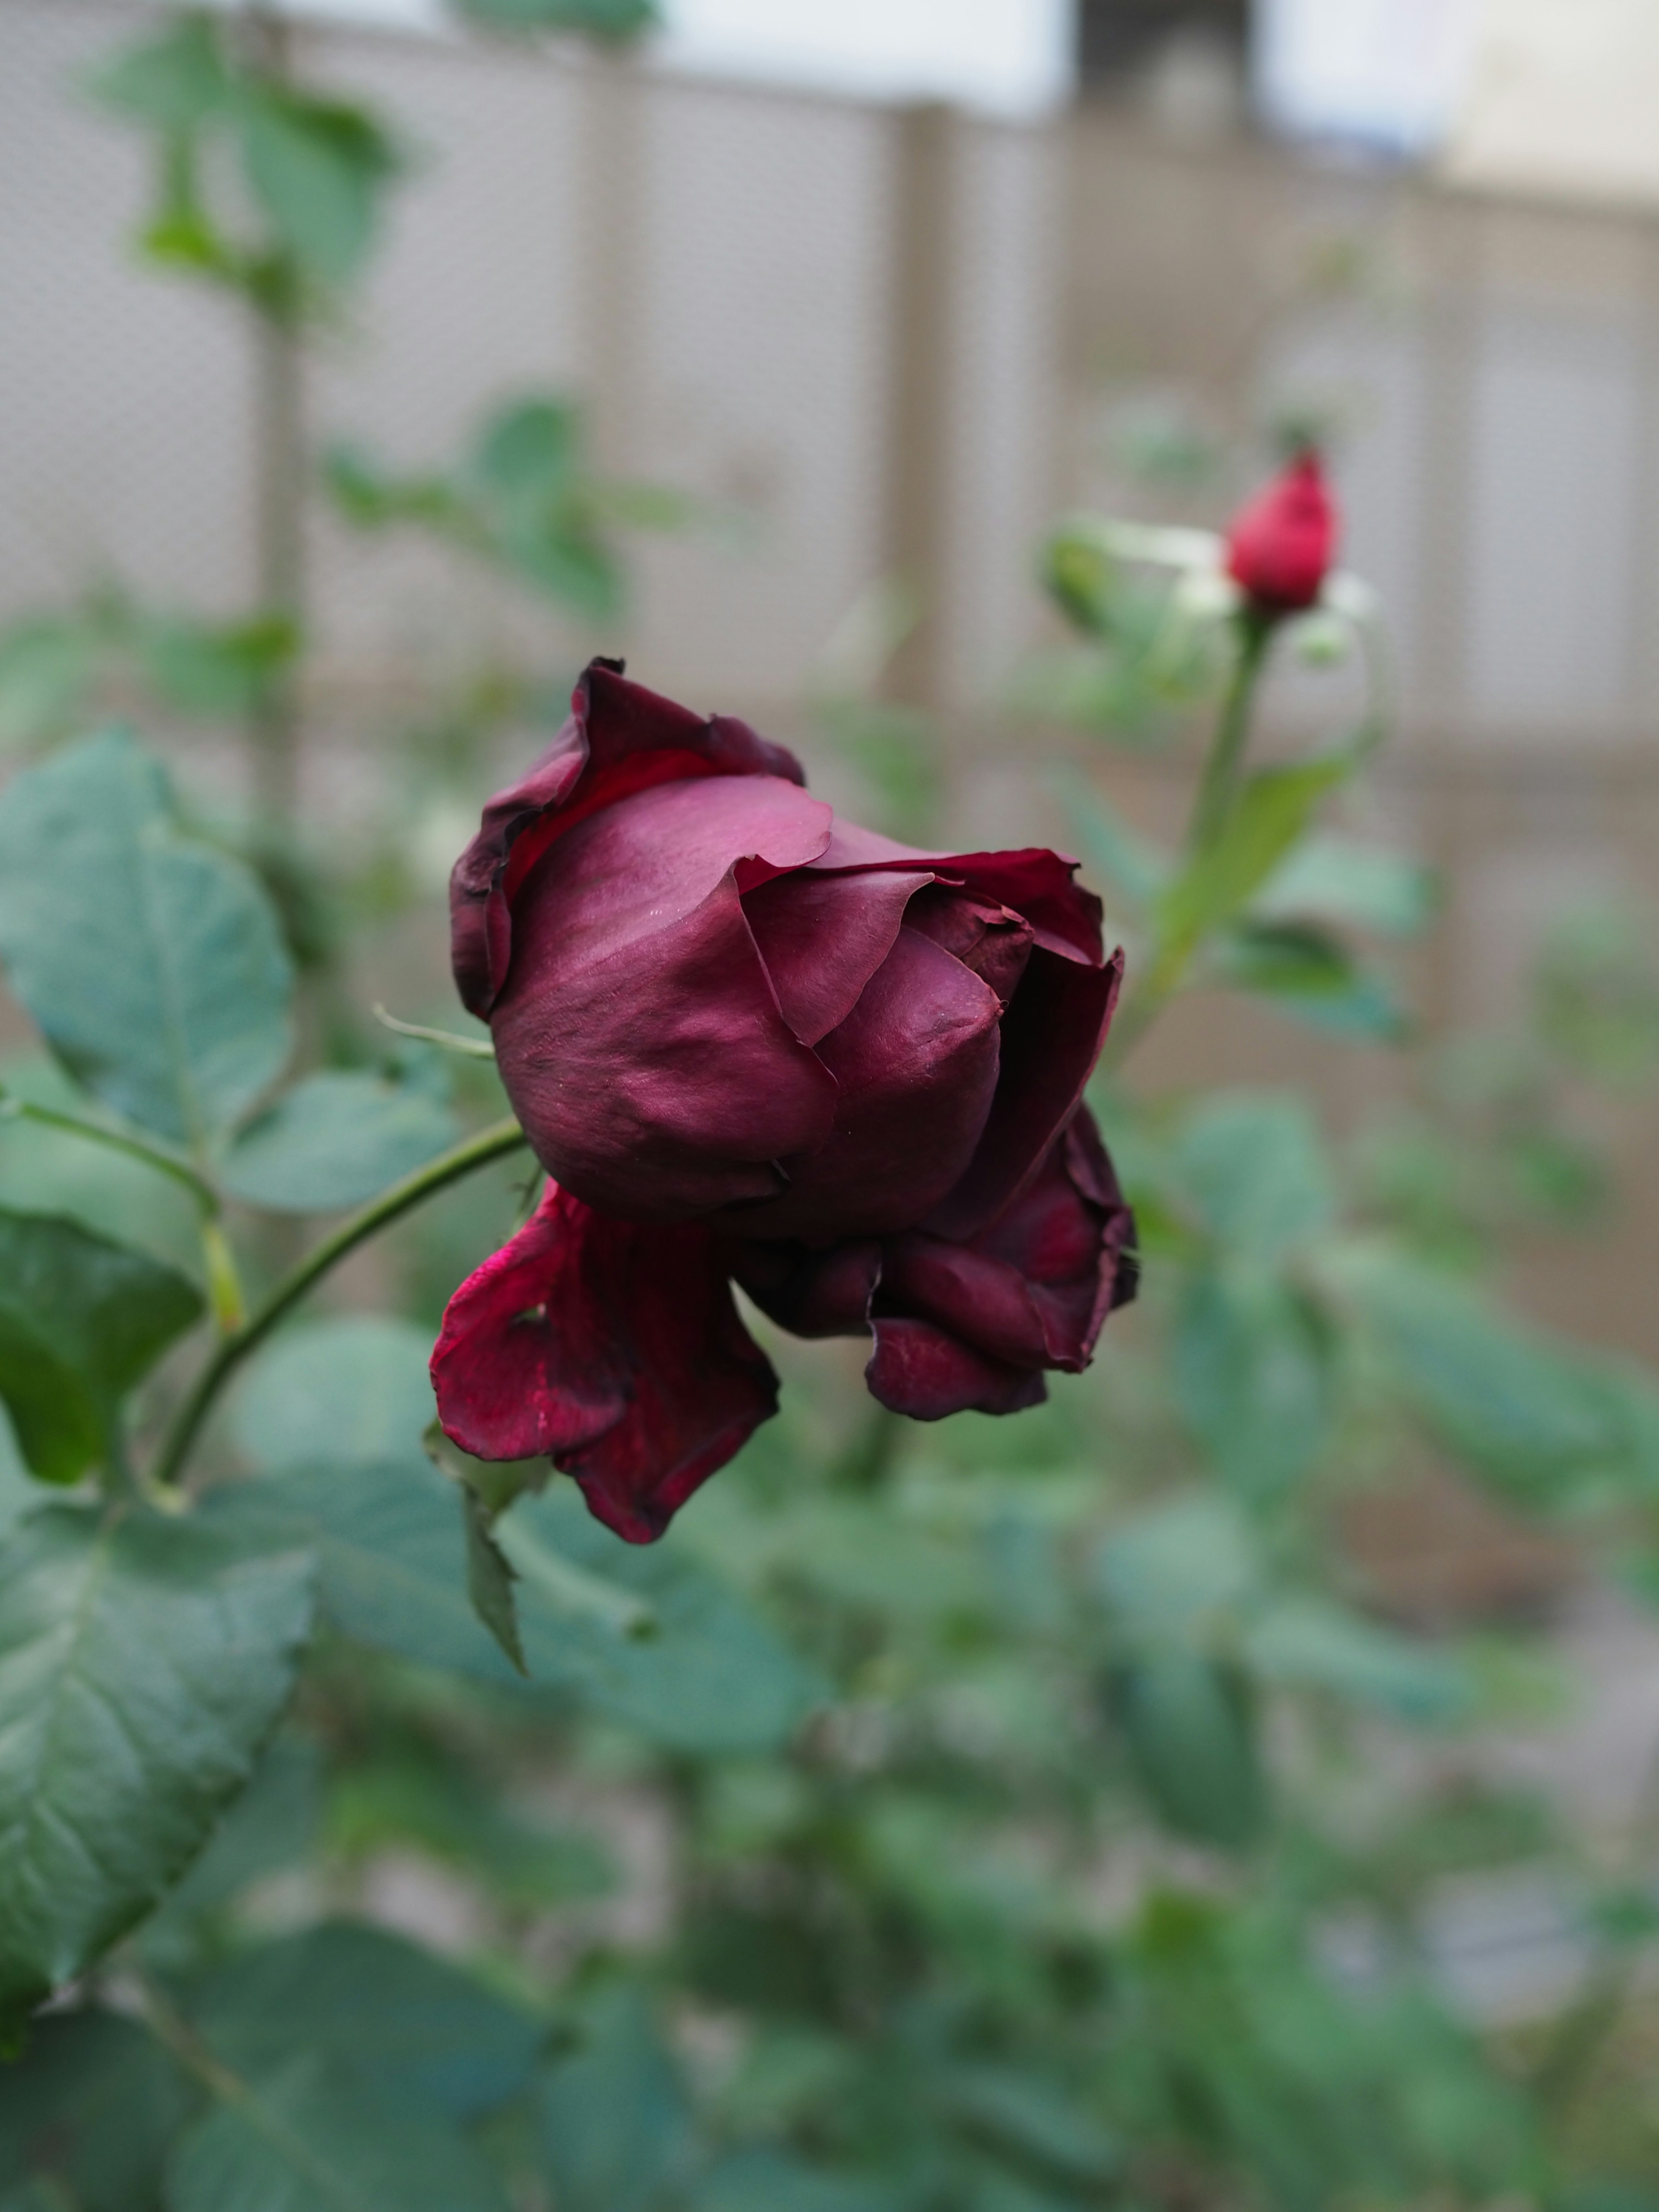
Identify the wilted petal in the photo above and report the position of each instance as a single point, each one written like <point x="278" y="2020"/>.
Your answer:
<point x="620" y="739"/>
<point x="615" y="1349"/>
<point x="1035" y="1288"/>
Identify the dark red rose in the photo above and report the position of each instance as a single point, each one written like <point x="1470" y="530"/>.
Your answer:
<point x="1281" y="543"/>
<point x="749" y="1041"/>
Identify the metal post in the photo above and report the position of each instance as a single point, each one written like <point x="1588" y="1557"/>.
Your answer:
<point x="919" y="425"/>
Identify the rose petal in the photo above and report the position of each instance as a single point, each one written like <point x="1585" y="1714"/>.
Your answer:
<point x="615" y="1349"/>
<point x="812" y="1293"/>
<point x="916" y="1066"/>
<point x="1052" y="1034"/>
<point x="620" y="739"/>
<point x="928" y="1374"/>
<point x="992" y="940"/>
<point x="638" y="1035"/>
<point x="1037" y="883"/>
<point x="824" y="937"/>
<point x="1034" y="1288"/>
<point x="980" y="1300"/>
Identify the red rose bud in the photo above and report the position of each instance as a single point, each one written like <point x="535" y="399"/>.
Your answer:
<point x="1282" y="543"/>
<point x="750" y="1042"/>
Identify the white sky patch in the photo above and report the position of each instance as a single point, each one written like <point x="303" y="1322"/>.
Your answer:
<point x="1389" y="73"/>
<point x="1009" y="56"/>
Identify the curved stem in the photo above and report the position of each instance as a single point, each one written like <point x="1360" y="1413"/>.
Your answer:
<point x="492" y="1144"/>
<point x="154" y="1155"/>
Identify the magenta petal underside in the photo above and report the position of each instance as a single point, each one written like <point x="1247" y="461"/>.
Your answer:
<point x="615" y="1349"/>
<point x="639" y="1036"/>
<point x="915" y="1065"/>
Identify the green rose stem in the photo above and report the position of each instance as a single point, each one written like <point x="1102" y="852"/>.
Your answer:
<point x="1212" y="807"/>
<point x="494" y="1143"/>
<point x="1218" y="786"/>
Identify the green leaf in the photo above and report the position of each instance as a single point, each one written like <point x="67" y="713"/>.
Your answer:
<point x="374" y="2007"/>
<point x="142" y="1663"/>
<point x="609" y="19"/>
<point x="1336" y="879"/>
<point x="771" y="2181"/>
<point x="403" y="1795"/>
<point x="1189" y="1723"/>
<point x="489" y="1578"/>
<point x="215" y="669"/>
<point x="270" y="1827"/>
<point x="18" y="1495"/>
<point x="1172" y="1571"/>
<point x="1311" y="974"/>
<point x="1517" y="1405"/>
<point x="1252" y="1168"/>
<point x="1110" y="846"/>
<point x="172" y="82"/>
<point x="152" y="964"/>
<point x="1251" y="1367"/>
<point x="529" y="452"/>
<point x="334" y="1140"/>
<point x="81" y="1323"/>
<point x="309" y="2138"/>
<point x="1311" y="1643"/>
<point x="370" y="499"/>
<point x="317" y="168"/>
<point x="615" y="2125"/>
<point x="90" y="2109"/>
<point x="47" y="668"/>
<point x="1272" y="811"/>
<point x="353" y="1389"/>
<point x="111" y="1193"/>
<point x="390" y="1545"/>
<point x="1030" y="2120"/>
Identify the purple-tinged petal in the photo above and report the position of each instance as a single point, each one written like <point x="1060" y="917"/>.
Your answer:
<point x="1035" y="883"/>
<point x="824" y="937"/>
<point x="617" y="1350"/>
<point x="926" y="1372"/>
<point x="638" y="1035"/>
<point x="916" y="1066"/>
<point x="1052" y="1034"/>
<point x="992" y="940"/>
<point x="620" y="739"/>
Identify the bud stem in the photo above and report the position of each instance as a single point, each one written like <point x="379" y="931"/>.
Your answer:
<point x="1220" y="783"/>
